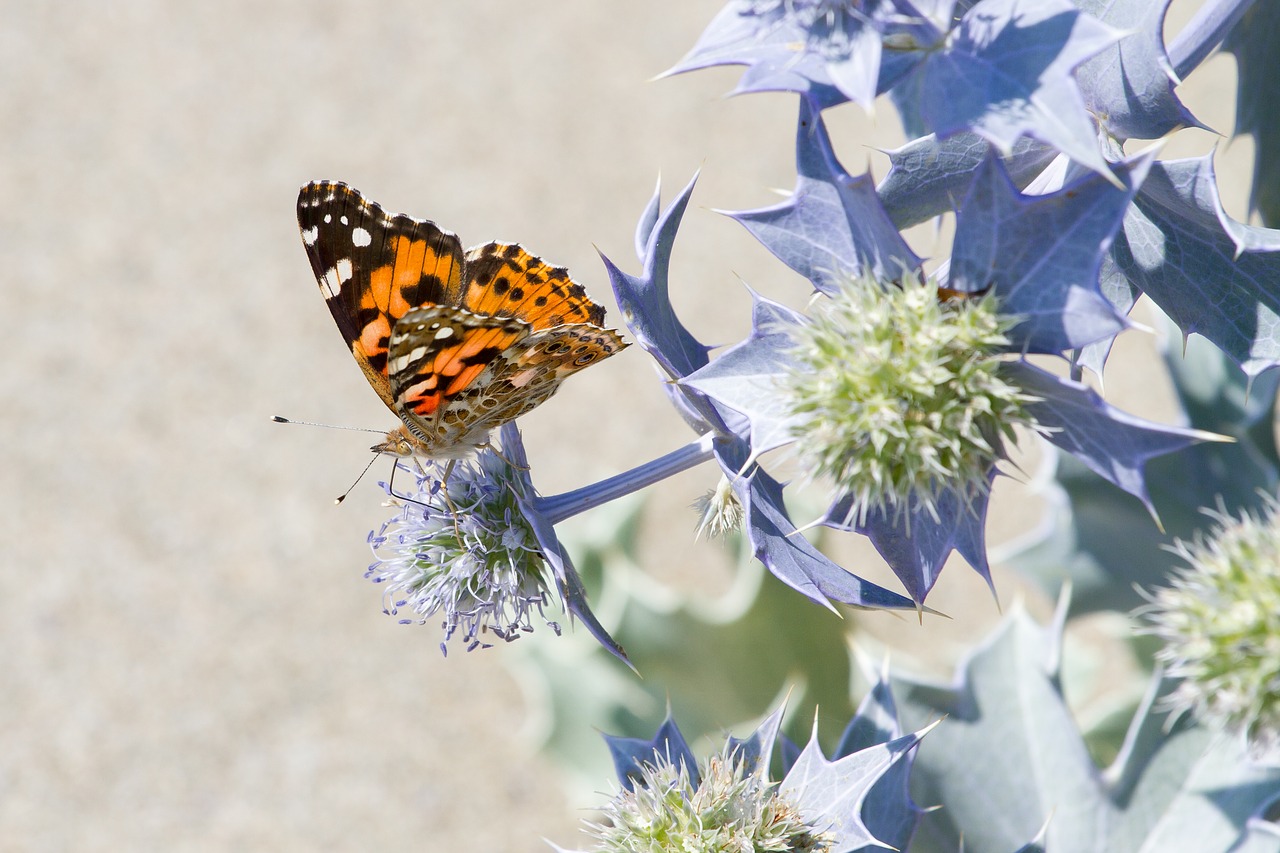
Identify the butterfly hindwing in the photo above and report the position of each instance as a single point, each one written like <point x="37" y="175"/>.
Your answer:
<point x="438" y="351"/>
<point x="527" y="375"/>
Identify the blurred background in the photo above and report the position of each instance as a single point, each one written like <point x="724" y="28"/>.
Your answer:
<point x="192" y="658"/>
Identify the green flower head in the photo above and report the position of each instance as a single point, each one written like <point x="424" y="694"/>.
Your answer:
<point x="1219" y="620"/>
<point x="898" y="395"/>
<point x="730" y="811"/>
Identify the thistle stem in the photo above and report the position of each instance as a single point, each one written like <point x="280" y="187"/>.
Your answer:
<point x="559" y="507"/>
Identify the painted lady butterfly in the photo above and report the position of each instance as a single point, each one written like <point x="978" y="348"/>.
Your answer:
<point x="456" y="344"/>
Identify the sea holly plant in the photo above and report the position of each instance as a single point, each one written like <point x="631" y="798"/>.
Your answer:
<point x="647" y="310"/>
<point x="857" y="800"/>
<point x="481" y="556"/>
<point x="1065" y="261"/>
<point x="897" y="386"/>
<point x="928" y="392"/>
<point x="1014" y="59"/>
<point x="1098" y="540"/>
<point x="1216" y="621"/>
<point x="903" y="400"/>
<point x="999" y="765"/>
<point x="1253" y="46"/>
<point x="1008" y="762"/>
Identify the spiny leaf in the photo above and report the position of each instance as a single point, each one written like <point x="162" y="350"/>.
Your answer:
<point x="748" y="375"/>
<point x="1116" y="445"/>
<point x="833" y="227"/>
<point x="566" y="576"/>
<point x="1008" y="759"/>
<point x="928" y="176"/>
<point x="836" y="790"/>
<point x="1214" y="276"/>
<point x="668" y="744"/>
<point x="825" y="52"/>
<point x="1130" y="84"/>
<point x="790" y="556"/>
<point x="1099" y="539"/>
<point x="916" y="543"/>
<point x="1016" y="58"/>
<point x="1041" y="255"/>
<point x="1255" y="41"/>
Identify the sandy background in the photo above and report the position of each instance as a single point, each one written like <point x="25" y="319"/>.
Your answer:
<point x="192" y="659"/>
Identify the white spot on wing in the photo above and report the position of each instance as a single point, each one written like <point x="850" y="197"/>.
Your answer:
<point x="446" y="332"/>
<point x="328" y="217"/>
<point x="360" y="237"/>
<point x="344" y="270"/>
<point x="310" y="235"/>
<point x="401" y="363"/>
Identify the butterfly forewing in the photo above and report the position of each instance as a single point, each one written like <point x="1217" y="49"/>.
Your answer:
<point x="374" y="267"/>
<point x="505" y="280"/>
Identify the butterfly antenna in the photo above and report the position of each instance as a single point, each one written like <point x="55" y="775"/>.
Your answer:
<point x="342" y="497"/>
<point x="283" y="420"/>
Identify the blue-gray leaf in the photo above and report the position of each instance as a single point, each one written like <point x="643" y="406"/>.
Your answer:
<point x="1129" y="85"/>
<point x="1114" y="444"/>
<point x="1042" y="255"/>
<point x="1015" y="58"/>
<point x="1212" y="275"/>
<point x="1009" y="747"/>
<point x="750" y="376"/>
<point x="833" y="227"/>
<point x="928" y="177"/>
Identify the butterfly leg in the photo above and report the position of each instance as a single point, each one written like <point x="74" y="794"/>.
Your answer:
<point x="489" y="446"/>
<point x="444" y="492"/>
<point x="391" y="488"/>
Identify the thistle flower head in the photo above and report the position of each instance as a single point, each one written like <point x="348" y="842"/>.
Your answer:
<point x="731" y="810"/>
<point x="898" y="395"/>
<point x="1219" y="620"/>
<point x="719" y="511"/>
<point x="463" y="552"/>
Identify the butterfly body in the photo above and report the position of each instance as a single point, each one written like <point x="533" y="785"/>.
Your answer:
<point x="455" y="343"/>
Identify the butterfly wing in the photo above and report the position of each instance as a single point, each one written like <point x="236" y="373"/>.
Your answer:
<point x="373" y="268"/>
<point x="567" y="332"/>
<point x="527" y="374"/>
<point x="506" y="281"/>
<point x="442" y="361"/>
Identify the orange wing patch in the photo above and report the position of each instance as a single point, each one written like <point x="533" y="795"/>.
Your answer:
<point x="504" y="280"/>
<point x="418" y="273"/>
<point x="373" y="267"/>
<point x="388" y="283"/>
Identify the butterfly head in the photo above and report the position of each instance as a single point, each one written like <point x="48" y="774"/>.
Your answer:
<point x="403" y="444"/>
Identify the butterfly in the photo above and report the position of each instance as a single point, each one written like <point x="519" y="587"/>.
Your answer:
<point x="455" y="343"/>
